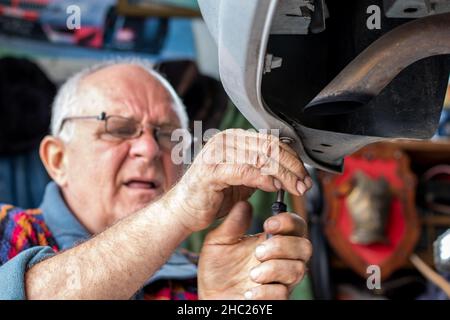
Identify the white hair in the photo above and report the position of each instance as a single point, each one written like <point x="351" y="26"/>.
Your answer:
<point x="65" y="104"/>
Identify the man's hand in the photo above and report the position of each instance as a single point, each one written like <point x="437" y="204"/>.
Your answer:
<point x="228" y="169"/>
<point x="234" y="266"/>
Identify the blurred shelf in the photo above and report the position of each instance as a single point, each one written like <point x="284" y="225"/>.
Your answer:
<point x="152" y="8"/>
<point x="436" y="220"/>
<point x="422" y="145"/>
<point x="423" y="152"/>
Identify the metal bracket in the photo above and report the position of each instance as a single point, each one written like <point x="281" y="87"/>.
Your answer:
<point x="272" y="62"/>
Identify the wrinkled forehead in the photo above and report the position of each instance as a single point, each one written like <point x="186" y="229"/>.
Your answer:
<point x="129" y="91"/>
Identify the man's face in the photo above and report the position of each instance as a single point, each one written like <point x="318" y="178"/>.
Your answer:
<point x="110" y="178"/>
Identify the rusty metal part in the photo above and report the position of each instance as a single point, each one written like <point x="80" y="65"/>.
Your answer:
<point x="369" y="73"/>
<point x="369" y="205"/>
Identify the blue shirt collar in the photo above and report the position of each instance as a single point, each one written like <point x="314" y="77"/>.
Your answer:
<point x="65" y="227"/>
<point x="68" y="232"/>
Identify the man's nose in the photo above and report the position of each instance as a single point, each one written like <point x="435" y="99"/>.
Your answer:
<point x="145" y="146"/>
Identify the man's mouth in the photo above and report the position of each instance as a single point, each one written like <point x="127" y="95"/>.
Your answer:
<point x="142" y="184"/>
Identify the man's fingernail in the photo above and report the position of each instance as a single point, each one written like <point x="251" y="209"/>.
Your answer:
<point x="308" y="182"/>
<point x="255" y="273"/>
<point x="273" y="225"/>
<point x="248" y="295"/>
<point x="301" y="187"/>
<point x="260" y="251"/>
<point x="277" y="183"/>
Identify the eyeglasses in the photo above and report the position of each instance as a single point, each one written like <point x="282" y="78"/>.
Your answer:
<point x="128" y="128"/>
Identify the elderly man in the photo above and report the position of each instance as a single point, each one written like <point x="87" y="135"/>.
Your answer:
<point x="110" y="159"/>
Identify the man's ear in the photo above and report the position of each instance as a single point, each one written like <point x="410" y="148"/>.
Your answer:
<point x="53" y="151"/>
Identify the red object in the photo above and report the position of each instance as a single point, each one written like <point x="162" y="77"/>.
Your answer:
<point x="89" y="36"/>
<point x="375" y="253"/>
<point x="402" y="228"/>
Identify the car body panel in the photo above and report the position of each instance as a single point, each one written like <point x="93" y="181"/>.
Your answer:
<point x="257" y="83"/>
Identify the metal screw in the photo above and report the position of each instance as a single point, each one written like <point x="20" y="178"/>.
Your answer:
<point x="286" y="140"/>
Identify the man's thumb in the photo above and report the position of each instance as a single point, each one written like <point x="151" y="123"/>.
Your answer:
<point x="234" y="226"/>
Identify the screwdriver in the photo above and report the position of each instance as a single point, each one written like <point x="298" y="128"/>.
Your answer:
<point x="279" y="206"/>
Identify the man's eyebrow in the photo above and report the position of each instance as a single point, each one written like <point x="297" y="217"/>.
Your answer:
<point x="160" y="123"/>
<point x="166" y="124"/>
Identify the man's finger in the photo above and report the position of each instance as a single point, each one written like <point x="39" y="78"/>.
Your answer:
<point x="233" y="227"/>
<point x="286" y="247"/>
<point x="266" y="145"/>
<point x="251" y="176"/>
<point x="246" y="137"/>
<point x="287" y="272"/>
<point x="268" y="292"/>
<point x="286" y="223"/>
<point x="254" y="156"/>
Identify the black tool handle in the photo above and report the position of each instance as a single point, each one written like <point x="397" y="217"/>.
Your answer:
<point x="278" y="207"/>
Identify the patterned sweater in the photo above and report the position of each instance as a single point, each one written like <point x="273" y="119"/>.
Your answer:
<point x="23" y="229"/>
